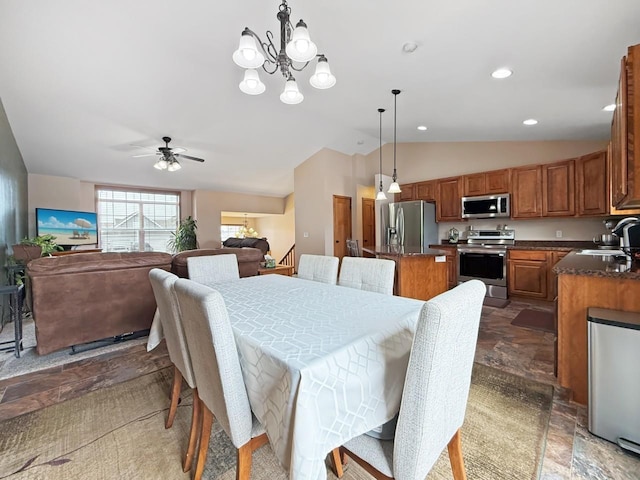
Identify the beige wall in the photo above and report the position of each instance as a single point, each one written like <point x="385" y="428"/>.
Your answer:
<point x="316" y="181"/>
<point x="209" y="205"/>
<point x="279" y="229"/>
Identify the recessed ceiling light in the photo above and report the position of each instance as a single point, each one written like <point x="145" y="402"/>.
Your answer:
<point x="409" y="47"/>
<point x="422" y="127"/>
<point x="530" y="121"/>
<point x="609" y="108"/>
<point x="360" y="142"/>
<point x="502" y="73"/>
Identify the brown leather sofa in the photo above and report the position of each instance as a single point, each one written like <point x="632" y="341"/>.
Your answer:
<point x="248" y="259"/>
<point x="85" y="297"/>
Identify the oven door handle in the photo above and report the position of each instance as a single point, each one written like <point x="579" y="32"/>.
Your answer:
<point x="482" y="251"/>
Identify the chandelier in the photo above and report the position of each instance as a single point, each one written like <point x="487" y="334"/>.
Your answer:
<point x="295" y="46"/>
<point x="246" y="231"/>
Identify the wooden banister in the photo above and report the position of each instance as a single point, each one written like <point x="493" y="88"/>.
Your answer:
<point x="289" y="258"/>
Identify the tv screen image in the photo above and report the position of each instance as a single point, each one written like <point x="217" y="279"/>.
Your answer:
<point x="69" y="227"/>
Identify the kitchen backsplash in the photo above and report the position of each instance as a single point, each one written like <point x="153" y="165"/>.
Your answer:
<point x="547" y="229"/>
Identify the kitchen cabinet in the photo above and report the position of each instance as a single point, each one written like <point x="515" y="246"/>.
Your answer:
<point x="558" y="189"/>
<point x="448" y="195"/>
<point x="612" y="209"/>
<point x="554" y="257"/>
<point x="528" y="273"/>
<point x="591" y="184"/>
<point x="625" y="135"/>
<point x="407" y="193"/>
<point x="487" y="183"/>
<point x="452" y="263"/>
<point x="426" y="191"/>
<point x="526" y="195"/>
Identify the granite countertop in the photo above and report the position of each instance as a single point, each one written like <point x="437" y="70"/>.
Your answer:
<point x="598" y="266"/>
<point x="561" y="246"/>
<point x="403" y="251"/>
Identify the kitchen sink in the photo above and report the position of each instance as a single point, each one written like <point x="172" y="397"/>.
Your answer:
<point x="601" y="252"/>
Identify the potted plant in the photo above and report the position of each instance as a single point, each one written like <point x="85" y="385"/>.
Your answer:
<point x="185" y="236"/>
<point x="30" y="248"/>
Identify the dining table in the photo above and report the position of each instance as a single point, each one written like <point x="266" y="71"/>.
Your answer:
<point x="321" y="363"/>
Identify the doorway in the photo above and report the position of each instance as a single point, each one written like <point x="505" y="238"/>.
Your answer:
<point x="341" y="225"/>
<point x="368" y="224"/>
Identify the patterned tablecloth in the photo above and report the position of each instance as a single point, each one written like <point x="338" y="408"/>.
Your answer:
<point x="322" y="363"/>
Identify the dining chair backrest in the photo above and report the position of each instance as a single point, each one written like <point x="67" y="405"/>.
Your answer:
<point x="212" y="269"/>
<point x="162" y="284"/>
<point x="438" y="379"/>
<point x="215" y="358"/>
<point x="319" y="268"/>
<point x="372" y="274"/>
<point x="353" y="248"/>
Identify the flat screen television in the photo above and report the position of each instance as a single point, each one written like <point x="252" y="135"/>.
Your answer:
<point x="69" y="227"/>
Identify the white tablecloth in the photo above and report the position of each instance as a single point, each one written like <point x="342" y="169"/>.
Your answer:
<point x="322" y="363"/>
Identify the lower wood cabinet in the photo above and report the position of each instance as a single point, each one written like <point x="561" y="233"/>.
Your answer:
<point x="527" y="275"/>
<point x="452" y="263"/>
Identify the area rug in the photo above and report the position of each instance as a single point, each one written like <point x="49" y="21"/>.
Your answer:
<point x="118" y="432"/>
<point x="535" y="320"/>
<point x="30" y="361"/>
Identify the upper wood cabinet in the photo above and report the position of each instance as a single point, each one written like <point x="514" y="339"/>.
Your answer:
<point x="426" y="191"/>
<point x="558" y="189"/>
<point x="591" y="185"/>
<point x="526" y="192"/>
<point x="625" y="135"/>
<point x="448" y="195"/>
<point x="407" y="193"/>
<point x="487" y="183"/>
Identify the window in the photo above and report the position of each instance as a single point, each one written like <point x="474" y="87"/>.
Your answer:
<point x="136" y="220"/>
<point x="228" y="231"/>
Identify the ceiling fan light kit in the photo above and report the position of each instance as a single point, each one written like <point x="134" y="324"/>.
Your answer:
<point x="169" y="157"/>
<point x="295" y="46"/>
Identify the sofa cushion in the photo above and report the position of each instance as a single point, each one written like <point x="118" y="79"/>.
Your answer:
<point x="248" y="260"/>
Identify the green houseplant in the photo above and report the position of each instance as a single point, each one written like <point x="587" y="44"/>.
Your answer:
<point x="30" y="248"/>
<point x="185" y="236"/>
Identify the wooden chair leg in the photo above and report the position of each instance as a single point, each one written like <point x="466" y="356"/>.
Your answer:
<point x="336" y="462"/>
<point x="193" y="433"/>
<point x="455" y="456"/>
<point x="243" y="468"/>
<point x="205" y="434"/>
<point x="175" y="396"/>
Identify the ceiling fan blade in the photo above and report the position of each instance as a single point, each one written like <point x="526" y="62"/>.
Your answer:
<point x="145" y="155"/>
<point x="178" y="149"/>
<point x="189" y="157"/>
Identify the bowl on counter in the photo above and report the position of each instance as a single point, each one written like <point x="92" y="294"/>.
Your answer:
<point x="606" y="241"/>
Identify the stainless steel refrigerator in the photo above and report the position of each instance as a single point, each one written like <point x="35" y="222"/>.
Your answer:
<point x="409" y="224"/>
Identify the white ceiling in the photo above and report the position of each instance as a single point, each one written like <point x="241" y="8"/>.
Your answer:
<point x="83" y="81"/>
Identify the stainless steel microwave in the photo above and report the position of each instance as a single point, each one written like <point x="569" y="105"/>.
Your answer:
<point x="486" y="206"/>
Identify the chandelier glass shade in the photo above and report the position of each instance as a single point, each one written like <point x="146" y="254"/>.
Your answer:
<point x="381" y="195"/>
<point x="295" y="46"/>
<point x="246" y="231"/>
<point x="394" y="187"/>
<point x="169" y="164"/>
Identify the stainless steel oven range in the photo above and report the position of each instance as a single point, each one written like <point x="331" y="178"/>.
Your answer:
<point x="484" y="257"/>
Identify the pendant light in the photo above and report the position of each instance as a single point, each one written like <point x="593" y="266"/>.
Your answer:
<point x="381" y="195"/>
<point x="394" y="187"/>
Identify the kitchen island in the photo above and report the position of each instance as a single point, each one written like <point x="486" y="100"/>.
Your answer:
<point x="589" y="281"/>
<point x="421" y="273"/>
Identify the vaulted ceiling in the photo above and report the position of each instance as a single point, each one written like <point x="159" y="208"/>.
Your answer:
<point x="88" y="84"/>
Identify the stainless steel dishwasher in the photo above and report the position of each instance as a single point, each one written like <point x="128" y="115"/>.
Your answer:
<point x="614" y="376"/>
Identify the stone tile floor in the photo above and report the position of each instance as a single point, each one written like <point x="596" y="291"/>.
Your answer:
<point x="571" y="451"/>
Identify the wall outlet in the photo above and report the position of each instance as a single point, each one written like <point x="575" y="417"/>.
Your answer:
<point x="558" y="233"/>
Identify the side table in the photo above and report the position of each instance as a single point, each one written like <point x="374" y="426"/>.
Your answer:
<point x="278" y="269"/>
<point x="15" y="307"/>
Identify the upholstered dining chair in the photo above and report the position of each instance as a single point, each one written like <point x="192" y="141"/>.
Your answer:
<point x="353" y="248"/>
<point x="211" y="269"/>
<point x="372" y="274"/>
<point x="162" y="285"/>
<point x="435" y="392"/>
<point x="216" y="366"/>
<point x="319" y="268"/>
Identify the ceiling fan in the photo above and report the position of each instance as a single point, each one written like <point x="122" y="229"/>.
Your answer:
<point x="169" y="156"/>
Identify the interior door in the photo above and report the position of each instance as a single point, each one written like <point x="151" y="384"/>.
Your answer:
<point x="341" y="225"/>
<point x="368" y="223"/>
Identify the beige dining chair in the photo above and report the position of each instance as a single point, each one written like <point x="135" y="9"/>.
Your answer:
<point x="217" y="371"/>
<point x="212" y="269"/>
<point x="319" y="268"/>
<point x="372" y="274"/>
<point x="162" y="285"/>
<point x="435" y="392"/>
<point x="353" y="248"/>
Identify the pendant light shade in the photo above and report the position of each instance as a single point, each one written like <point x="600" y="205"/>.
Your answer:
<point x="291" y="95"/>
<point x="394" y="187"/>
<point x="381" y="195"/>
